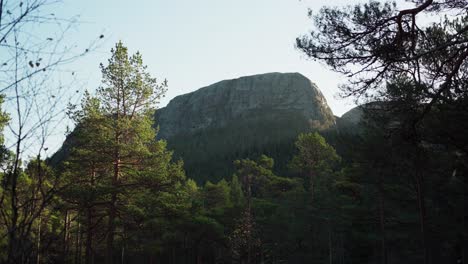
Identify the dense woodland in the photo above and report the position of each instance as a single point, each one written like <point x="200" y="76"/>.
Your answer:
<point x="393" y="189"/>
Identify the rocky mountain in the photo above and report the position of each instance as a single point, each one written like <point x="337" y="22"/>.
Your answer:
<point x="245" y="99"/>
<point x="349" y="122"/>
<point x="242" y="118"/>
<point x="211" y="127"/>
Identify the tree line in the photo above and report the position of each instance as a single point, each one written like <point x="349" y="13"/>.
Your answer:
<point x="120" y="197"/>
<point x="391" y="191"/>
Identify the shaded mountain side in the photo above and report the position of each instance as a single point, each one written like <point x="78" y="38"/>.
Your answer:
<point x="349" y="121"/>
<point x="62" y="154"/>
<point x="209" y="154"/>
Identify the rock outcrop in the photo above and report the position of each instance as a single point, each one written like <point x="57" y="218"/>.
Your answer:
<point x="260" y="114"/>
<point x="246" y="98"/>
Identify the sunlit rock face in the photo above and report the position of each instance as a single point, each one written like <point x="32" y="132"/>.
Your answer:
<point x="260" y="114"/>
<point x="274" y="96"/>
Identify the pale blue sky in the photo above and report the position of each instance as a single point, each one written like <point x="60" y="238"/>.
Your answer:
<point x="196" y="43"/>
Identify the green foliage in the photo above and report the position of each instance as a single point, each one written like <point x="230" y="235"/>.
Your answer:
<point x="314" y="160"/>
<point x="414" y="140"/>
<point x="217" y="196"/>
<point x="209" y="154"/>
<point x="4" y="118"/>
<point x="118" y="169"/>
<point x="235" y="192"/>
<point x="401" y="176"/>
<point x="314" y="153"/>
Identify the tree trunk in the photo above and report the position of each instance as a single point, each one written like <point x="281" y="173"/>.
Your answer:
<point x="330" y="243"/>
<point x="38" y="256"/>
<point x="78" y="244"/>
<point x="115" y="180"/>
<point x="113" y="202"/>
<point x="122" y="255"/>
<point x="383" y="237"/>
<point x="249" y="216"/>
<point x="89" y="256"/>
<point x="173" y="255"/>
<point x="89" y="238"/>
<point x="422" y="216"/>
<point x="464" y="244"/>
<point x="13" y="243"/>
<point x="113" y="210"/>
<point x="65" y="235"/>
<point x="111" y="229"/>
<point x="311" y="187"/>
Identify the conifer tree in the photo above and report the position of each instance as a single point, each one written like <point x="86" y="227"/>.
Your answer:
<point x="314" y="155"/>
<point x="119" y="144"/>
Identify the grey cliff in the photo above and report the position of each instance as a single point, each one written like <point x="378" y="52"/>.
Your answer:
<point x="245" y="98"/>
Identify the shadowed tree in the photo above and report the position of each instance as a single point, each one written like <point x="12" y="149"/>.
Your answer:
<point x="314" y="155"/>
<point x="121" y="118"/>
<point x="415" y="64"/>
<point x="33" y="48"/>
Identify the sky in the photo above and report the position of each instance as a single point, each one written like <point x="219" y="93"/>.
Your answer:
<point x="194" y="43"/>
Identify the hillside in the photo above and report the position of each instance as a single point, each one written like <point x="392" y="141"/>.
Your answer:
<point x="244" y="117"/>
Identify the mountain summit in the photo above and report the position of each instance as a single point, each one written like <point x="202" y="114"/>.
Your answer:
<point x="246" y="99"/>
<point x="231" y="119"/>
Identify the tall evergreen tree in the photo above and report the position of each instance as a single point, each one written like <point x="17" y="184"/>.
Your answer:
<point x="127" y="96"/>
<point x="314" y="155"/>
<point x="118" y="143"/>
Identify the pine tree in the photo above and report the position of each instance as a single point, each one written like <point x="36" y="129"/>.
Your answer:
<point x="314" y="155"/>
<point x="119" y="146"/>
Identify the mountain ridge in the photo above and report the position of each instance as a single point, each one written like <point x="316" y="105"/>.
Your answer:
<point x="241" y="118"/>
<point x="221" y="102"/>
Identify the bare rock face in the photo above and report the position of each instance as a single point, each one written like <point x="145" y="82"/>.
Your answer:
<point x="241" y="118"/>
<point x="271" y="96"/>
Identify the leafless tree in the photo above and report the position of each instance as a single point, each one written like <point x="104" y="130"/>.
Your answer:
<point x="34" y="48"/>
